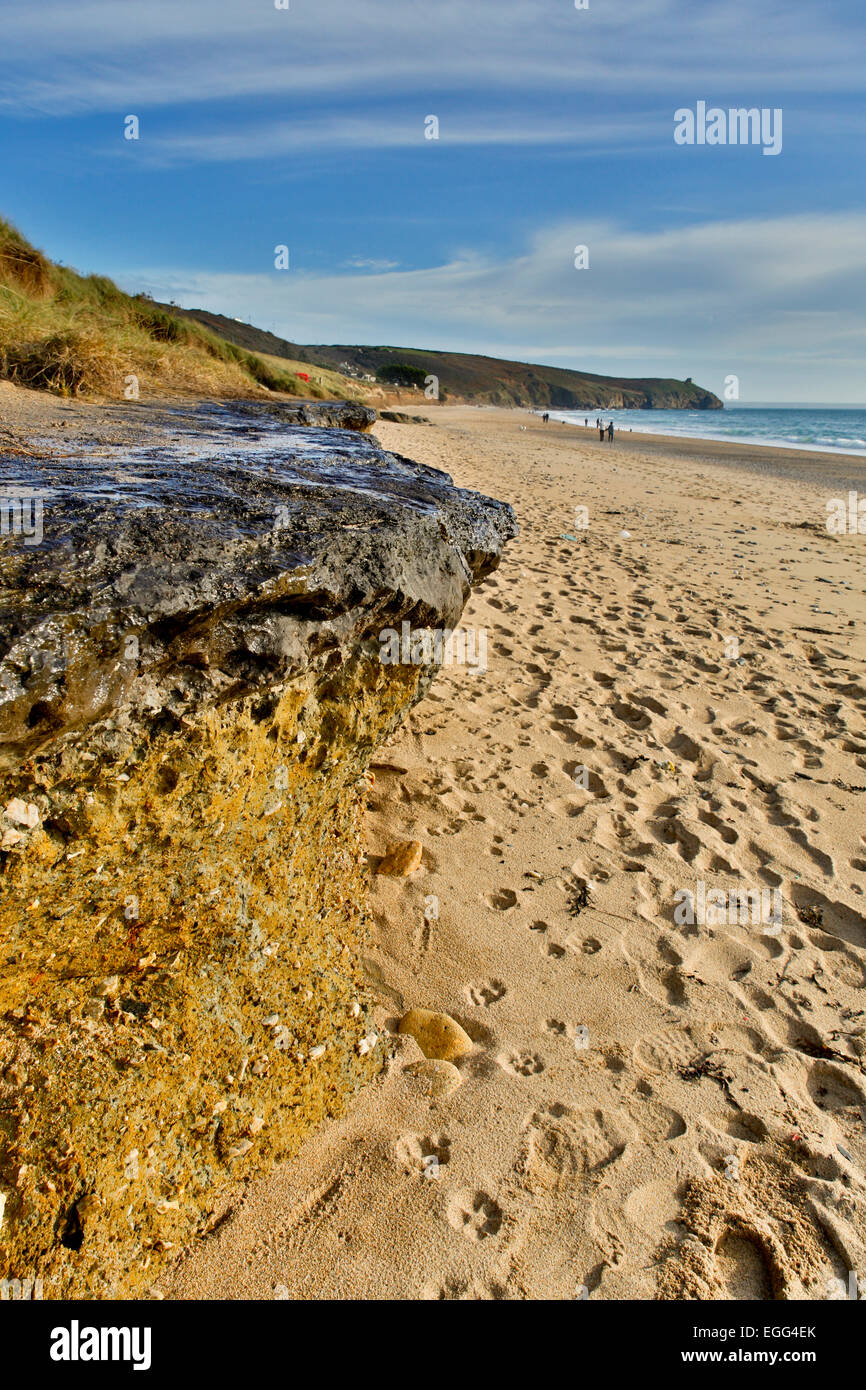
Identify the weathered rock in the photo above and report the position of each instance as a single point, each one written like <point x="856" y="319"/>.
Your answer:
<point x="434" y="1077"/>
<point x="401" y="859"/>
<point x="437" y="1035"/>
<point x="190" y="694"/>
<point x="399" y="417"/>
<point x="342" y="415"/>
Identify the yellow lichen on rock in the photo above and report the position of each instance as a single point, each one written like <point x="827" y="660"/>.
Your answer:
<point x="180" y="986"/>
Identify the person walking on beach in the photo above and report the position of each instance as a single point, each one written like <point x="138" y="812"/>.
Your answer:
<point x="545" y="417"/>
<point x="610" y="432"/>
<point x="601" y="431"/>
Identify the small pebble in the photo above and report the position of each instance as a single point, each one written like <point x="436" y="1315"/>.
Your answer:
<point x="437" y="1035"/>
<point x="22" y="813"/>
<point x="242" y="1147"/>
<point x="401" y="859"/>
<point x="433" y="1076"/>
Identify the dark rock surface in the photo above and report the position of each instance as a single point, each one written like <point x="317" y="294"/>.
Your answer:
<point x="242" y="546"/>
<point x="399" y="417"/>
<point x="341" y="415"/>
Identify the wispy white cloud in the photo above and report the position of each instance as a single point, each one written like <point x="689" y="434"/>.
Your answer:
<point x="759" y="298"/>
<point x="101" y="55"/>
<point x="363" y="263"/>
<point x="270" y="139"/>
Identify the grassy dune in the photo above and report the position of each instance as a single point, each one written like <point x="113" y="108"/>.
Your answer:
<point x="325" y="383"/>
<point x="80" y="335"/>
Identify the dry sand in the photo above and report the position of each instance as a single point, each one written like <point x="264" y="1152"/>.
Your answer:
<point x="653" y="1109"/>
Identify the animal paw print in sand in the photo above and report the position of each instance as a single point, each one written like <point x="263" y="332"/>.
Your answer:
<point x="502" y="900"/>
<point x="522" y="1063"/>
<point x="477" y="1216"/>
<point x="424" y="1153"/>
<point x="486" y="994"/>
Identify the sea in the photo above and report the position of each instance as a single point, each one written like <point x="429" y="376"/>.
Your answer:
<point x="828" y="428"/>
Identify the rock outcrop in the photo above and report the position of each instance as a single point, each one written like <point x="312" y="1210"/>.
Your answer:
<point x="190" y="693"/>
<point x="342" y="415"/>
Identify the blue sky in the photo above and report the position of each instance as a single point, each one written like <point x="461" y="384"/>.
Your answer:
<point x="306" y="127"/>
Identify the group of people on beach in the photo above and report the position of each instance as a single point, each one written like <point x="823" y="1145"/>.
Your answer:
<point x="603" y="429"/>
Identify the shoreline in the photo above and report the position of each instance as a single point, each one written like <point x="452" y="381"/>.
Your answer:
<point x="833" y="468"/>
<point x="786" y="446"/>
<point x="812" y="467"/>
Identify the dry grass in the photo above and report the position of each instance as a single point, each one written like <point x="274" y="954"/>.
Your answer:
<point x="324" y="384"/>
<point x="81" y="335"/>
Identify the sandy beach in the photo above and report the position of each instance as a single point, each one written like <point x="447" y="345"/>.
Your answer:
<point x="655" y="1107"/>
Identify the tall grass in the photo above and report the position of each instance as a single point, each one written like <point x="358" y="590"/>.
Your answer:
<point x="81" y="335"/>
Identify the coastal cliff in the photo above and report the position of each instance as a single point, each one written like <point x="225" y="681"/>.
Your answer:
<point x="462" y="376"/>
<point x="190" y="694"/>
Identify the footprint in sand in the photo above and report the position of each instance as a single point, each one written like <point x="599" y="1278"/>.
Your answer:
<point x="464" y="1290"/>
<point x="815" y="909"/>
<point x="831" y="1089"/>
<point x="841" y="963"/>
<point x="587" y="1142"/>
<point x="632" y="715"/>
<point x="743" y="1266"/>
<point x="521" y="1063"/>
<point x="423" y="1153"/>
<point x="658" y="1123"/>
<point x="667" y="1051"/>
<point x="484" y="995"/>
<point x="504" y="899"/>
<point x="477" y="1215"/>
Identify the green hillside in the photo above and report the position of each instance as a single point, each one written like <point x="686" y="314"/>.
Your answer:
<point x="489" y="380"/>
